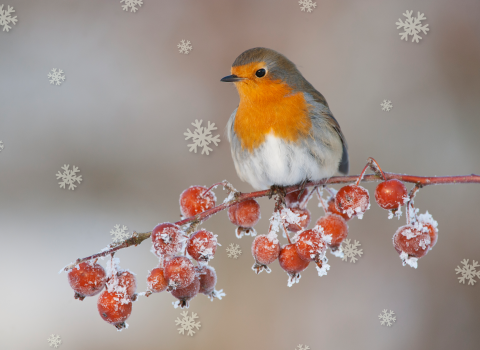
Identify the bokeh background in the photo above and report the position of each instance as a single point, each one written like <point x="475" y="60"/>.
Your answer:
<point x="120" y="117"/>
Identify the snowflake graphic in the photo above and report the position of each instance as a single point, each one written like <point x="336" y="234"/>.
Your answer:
<point x="6" y="18"/>
<point x="187" y="323"/>
<point x="233" y="251"/>
<point x="185" y="47"/>
<point x="69" y="177"/>
<point x="119" y="234"/>
<point x="468" y="272"/>
<point x="308" y="5"/>
<point x="56" y="77"/>
<point x="387" y="318"/>
<point x="386" y="105"/>
<point x="132" y="4"/>
<point x="302" y="347"/>
<point x="412" y="26"/>
<point x="350" y="250"/>
<point x="54" y="341"/>
<point x="1" y="146"/>
<point x="202" y="137"/>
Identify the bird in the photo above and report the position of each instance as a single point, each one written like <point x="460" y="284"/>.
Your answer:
<point x="282" y="133"/>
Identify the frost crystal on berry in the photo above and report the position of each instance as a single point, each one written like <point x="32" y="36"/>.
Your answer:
<point x="302" y="347"/>
<point x="202" y="137"/>
<point x="387" y="318"/>
<point x="412" y="26"/>
<point x="185" y="47"/>
<point x="120" y="234"/>
<point x="54" y="341"/>
<point x="6" y="18"/>
<point x="307" y="5"/>
<point x="233" y="251"/>
<point x="69" y="177"/>
<point x="132" y="4"/>
<point x="56" y="77"/>
<point x="386" y="105"/>
<point x="469" y="272"/>
<point x="1" y="146"/>
<point x="187" y="323"/>
<point x="350" y="250"/>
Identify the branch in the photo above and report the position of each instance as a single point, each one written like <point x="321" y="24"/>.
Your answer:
<point x="194" y="221"/>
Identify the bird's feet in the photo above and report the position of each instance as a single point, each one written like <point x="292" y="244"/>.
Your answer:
<point x="279" y="191"/>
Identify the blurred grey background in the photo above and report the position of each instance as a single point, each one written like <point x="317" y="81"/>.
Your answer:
<point x="120" y="117"/>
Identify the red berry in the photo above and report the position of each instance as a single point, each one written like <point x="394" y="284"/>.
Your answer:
<point x="156" y="281"/>
<point x="410" y="242"/>
<point x="292" y="200"/>
<point x="114" y="308"/>
<point x="265" y="250"/>
<point x="335" y="226"/>
<point x="431" y="225"/>
<point x="194" y="201"/>
<point x="292" y="263"/>
<point x="352" y="200"/>
<point x="167" y="239"/>
<point x="390" y="194"/>
<point x="202" y="245"/>
<point x="179" y="272"/>
<point x="245" y="214"/>
<point x="87" y="279"/>
<point x="128" y="282"/>
<point x="304" y="220"/>
<point x="208" y="279"/>
<point x="333" y="209"/>
<point x="310" y="246"/>
<point x="184" y="295"/>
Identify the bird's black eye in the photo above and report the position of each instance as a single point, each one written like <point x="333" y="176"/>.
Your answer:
<point x="260" y="73"/>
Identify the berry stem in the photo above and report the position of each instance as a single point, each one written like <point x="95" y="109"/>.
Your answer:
<point x="422" y="181"/>
<point x="320" y="193"/>
<point x="375" y="167"/>
<point x="307" y="199"/>
<point x="211" y="187"/>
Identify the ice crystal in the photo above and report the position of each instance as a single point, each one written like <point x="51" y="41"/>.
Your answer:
<point x="56" y="77"/>
<point x="307" y="5"/>
<point x="54" y="341"/>
<point x="386" y="105"/>
<point x="6" y="18"/>
<point x="302" y="347"/>
<point x="119" y="233"/>
<point x="469" y="272"/>
<point x="1" y="146"/>
<point x="350" y="250"/>
<point x="187" y="323"/>
<point x="132" y="4"/>
<point x="202" y="137"/>
<point x="412" y="26"/>
<point x="387" y="318"/>
<point x="69" y="177"/>
<point x="185" y="47"/>
<point x="233" y="251"/>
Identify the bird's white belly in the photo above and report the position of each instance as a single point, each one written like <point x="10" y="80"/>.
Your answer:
<point x="276" y="162"/>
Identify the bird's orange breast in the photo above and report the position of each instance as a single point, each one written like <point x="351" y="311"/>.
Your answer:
<point x="270" y="107"/>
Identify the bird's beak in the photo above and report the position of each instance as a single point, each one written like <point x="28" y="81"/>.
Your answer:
<point x="231" y="78"/>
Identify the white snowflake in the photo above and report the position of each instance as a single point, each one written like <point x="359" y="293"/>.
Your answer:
<point x="233" y="251"/>
<point x="202" y="137"/>
<point x="187" y="323"/>
<point x="308" y="5"/>
<point x="69" y="177"/>
<point x="6" y="18"/>
<point x="56" y="77"/>
<point x="119" y="234"/>
<point x="54" y="341"/>
<point x="302" y="347"/>
<point x="387" y="318"/>
<point x="412" y="26"/>
<point x="386" y="105"/>
<point x="1" y="146"/>
<point x="185" y="47"/>
<point x="468" y="272"/>
<point x="350" y="250"/>
<point x="132" y="4"/>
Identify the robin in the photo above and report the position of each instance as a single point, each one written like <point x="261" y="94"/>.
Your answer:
<point x="282" y="132"/>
